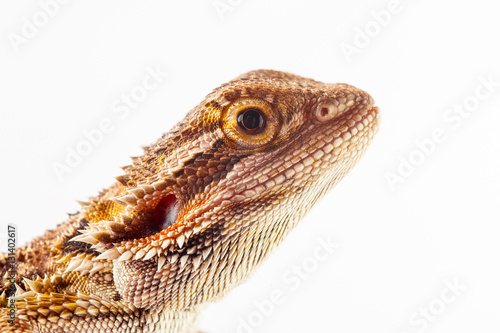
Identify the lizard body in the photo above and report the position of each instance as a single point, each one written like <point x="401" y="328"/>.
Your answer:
<point x="192" y="217"/>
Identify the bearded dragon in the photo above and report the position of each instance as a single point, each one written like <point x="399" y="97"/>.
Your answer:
<point x="195" y="215"/>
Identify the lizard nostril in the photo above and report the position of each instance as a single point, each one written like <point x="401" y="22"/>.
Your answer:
<point x="325" y="112"/>
<point x="165" y="212"/>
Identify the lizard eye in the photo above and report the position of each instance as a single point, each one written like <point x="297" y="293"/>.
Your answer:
<point x="250" y="123"/>
<point x="252" y="120"/>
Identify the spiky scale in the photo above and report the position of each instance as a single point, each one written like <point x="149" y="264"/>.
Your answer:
<point x="231" y="199"/>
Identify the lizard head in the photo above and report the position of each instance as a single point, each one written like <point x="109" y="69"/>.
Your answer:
<point x="211" y="199"/>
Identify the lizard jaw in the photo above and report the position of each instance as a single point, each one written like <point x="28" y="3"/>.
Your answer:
<point x="172" y="231"/>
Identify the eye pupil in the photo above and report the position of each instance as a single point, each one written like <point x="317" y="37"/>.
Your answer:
<point x="252" y="120"/>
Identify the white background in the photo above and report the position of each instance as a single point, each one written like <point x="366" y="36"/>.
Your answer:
<point x="397" y="245"/>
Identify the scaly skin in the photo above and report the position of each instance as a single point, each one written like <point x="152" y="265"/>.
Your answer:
<point x="193" y="216"/>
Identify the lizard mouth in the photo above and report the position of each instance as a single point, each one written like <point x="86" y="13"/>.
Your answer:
<point x="165" y="213"/>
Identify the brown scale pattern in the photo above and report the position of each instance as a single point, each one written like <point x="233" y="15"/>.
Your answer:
<point x="114" y="268"/>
